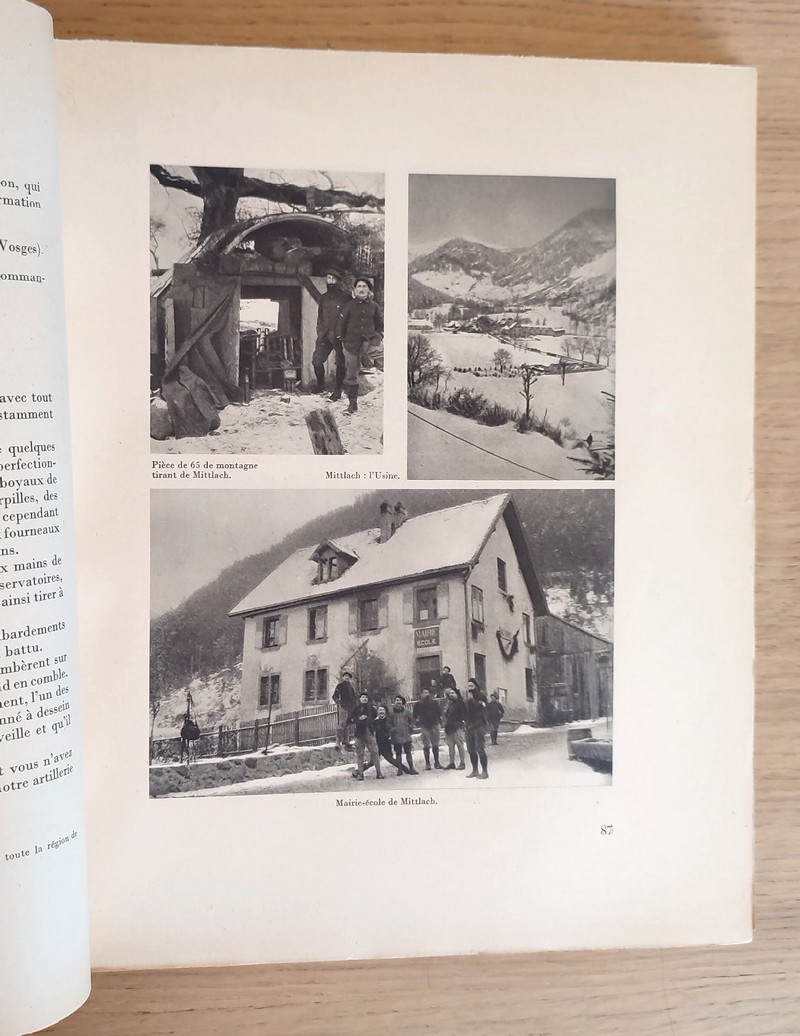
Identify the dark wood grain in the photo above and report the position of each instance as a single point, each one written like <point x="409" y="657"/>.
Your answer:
<point x="750" y="990"/>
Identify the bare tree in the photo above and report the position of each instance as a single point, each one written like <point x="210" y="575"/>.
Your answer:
<point x="157" y="226"/>
<point x="220" y="191"/>
<point x="502" y="358"/>
<point x="529" y="379"/>
<point x="424" y="363"/>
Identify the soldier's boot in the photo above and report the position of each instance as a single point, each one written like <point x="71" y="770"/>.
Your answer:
<point x="319" y="373"/>
<point x="352" y="395"/>
<point x="427" y="753"/>
<point x="436" y="764"/>
<point x="337" y="385"/>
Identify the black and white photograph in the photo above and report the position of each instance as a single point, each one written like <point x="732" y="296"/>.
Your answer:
<point x="266" y="311"/>
<point x="511" y="327"/>
<point x="437" y="639"/>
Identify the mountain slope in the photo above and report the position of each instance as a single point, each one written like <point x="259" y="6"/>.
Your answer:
<point x="578" y="259"/>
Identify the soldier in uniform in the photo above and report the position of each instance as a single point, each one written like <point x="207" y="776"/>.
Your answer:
<point x="360" y="329"/>
<point x="330" y="305"/>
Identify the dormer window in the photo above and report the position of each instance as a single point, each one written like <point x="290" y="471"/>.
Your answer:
<point x="332" y="561"/>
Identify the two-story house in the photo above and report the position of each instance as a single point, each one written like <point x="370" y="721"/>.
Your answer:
<point x="454" y="587"/>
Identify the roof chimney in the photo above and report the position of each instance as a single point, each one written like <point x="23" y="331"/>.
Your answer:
<point x="387" y="523"/>
<point x="400" y="514"/>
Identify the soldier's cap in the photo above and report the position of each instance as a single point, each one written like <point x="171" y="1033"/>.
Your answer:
<point x="364" y="280"/>
<point x="346" y="672"/>
<point x="333" y="272"/>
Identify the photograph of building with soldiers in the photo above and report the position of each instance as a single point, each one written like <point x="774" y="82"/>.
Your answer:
<point x="266" y="311"/>
<point x="433" y="639"/>
<point x="511" y="327"/>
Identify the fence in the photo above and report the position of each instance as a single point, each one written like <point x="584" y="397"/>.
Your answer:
<point x="312" y="726"/>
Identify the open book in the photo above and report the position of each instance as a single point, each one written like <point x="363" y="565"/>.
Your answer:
<point x="361" y="638"/>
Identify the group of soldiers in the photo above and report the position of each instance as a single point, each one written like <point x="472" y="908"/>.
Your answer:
<point x="383" y="729"/>
<point x="350" y="326"/>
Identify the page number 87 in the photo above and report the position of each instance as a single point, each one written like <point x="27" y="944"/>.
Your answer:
<point x="606" y="829"/>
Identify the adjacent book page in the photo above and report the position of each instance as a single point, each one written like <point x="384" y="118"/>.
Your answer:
<point x="440" y="381"/>
<point x="44" y="952"/>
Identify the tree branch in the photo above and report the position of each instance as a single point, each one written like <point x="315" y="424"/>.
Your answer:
<point x="180" y="183"/>
<point x="291" y="194"/>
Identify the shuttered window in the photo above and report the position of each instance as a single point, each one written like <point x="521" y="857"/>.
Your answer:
<point x="270" y="687"/>
<point x="369" y="614"/>
<point x="425" y="604"/>
<point x="315" y="686"/>
<point x="477" y="605"/>
<point x="274" y="631"/>
<point x="318" y="623"/>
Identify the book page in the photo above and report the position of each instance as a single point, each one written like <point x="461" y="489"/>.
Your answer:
<point x="431" y="425"/>
<point x="44" y="941"/>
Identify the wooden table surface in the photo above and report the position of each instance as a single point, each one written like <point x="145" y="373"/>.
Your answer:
<point x="739" y="991"/>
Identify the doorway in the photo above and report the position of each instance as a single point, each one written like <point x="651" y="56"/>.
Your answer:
<point x="480" y="670"/>
<point x="429" y="671"/>
<point x="270" y="335"/>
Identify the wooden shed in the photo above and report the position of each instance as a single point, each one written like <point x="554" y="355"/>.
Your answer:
<point x="574" y="670"/>
<point x="195" y="307"/>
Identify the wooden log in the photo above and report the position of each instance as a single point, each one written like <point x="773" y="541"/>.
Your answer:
<point x="323" y="431"/>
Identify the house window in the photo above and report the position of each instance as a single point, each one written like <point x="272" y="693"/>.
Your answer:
<point x="502" y="580"/>
<point x="269" y="691"/>
<point x="327" y="569"/>
<point x="526" y="629"/>
<point x="318" y="623"/>
<point x="425" y="604"/>
<point x="477" y="605"/>
<point x="530" y="691"/>
<point x="368" y="614"/>
<point x="274" y="629"/>
<point x="315" y="687"/>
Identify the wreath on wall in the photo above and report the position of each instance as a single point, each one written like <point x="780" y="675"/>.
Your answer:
<point x="508" y="648"/>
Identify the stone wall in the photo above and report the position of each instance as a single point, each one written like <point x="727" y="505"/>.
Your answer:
<point x="169" y="778"/>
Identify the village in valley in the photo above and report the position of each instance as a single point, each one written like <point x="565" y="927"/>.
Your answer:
<point x="511" y="348"/>
<point x="245" y="353"/>
<point x="403" y="604"/>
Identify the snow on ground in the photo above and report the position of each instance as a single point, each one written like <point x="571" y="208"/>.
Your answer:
<point x="530" y="758"/>
<point x="273" y="422"/>
<point x="433" y="452"/>
<point x="578" y="400"/>
<point x="215" y="699"/>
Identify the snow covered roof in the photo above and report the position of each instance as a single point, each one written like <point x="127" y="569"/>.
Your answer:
<point x="436" y="542"/>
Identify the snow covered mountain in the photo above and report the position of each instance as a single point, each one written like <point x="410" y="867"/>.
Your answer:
<point x="575" y="261"/>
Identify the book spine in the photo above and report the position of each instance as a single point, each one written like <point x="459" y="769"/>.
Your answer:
<point x="44" y="959"/>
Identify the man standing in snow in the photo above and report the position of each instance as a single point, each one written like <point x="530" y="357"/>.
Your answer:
<point x="454" y="715"/>
<point x="428" y="714"/>
<point x="344" y="696"/>
<point x="363" y="719"/>
<point x="494" y="713"/>
<point x="476" y="729"/>
<point x="400" y="724"/>
<point x="330" y="305"/>
<point x="360" y="329"/>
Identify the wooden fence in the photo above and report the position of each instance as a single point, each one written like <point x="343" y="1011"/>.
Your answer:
<point x="312" y="726"/>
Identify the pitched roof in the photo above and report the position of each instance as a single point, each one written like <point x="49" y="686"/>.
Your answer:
<point x="429" y="543"/>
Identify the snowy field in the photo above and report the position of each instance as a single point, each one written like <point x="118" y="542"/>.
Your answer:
<point x="578" y="400"/>
<point x="526" y="757"/>
<point x="275" y="423"/>
<point x="442" y="445"/>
